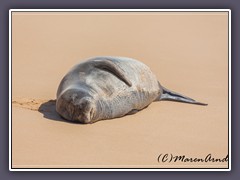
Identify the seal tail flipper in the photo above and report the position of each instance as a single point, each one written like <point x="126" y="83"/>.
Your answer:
<point x="113" y="68"/>
<point x="173" y="96"/>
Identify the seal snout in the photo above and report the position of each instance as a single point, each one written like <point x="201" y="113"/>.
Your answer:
<point x="75" y="106"/>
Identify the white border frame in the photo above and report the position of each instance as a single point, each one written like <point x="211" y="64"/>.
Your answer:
<point x="119" y="10"/>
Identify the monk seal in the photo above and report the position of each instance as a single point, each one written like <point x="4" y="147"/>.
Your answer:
<point x="110" y="87"/>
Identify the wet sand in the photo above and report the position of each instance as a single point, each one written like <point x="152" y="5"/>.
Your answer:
<point x="188" y="52"/>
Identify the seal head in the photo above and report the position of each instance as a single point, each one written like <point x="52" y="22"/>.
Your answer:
<point x="76" y="106"/>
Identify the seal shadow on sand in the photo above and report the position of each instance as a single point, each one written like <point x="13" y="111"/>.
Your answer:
<point x="48" y="109"/>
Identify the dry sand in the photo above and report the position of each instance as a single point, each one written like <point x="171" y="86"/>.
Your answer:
<point x="188" y="52"/>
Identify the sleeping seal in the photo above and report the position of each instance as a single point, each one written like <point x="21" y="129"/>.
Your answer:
<point x="110" y="87"/>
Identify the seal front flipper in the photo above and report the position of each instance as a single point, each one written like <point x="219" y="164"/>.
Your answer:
<point x="113" y="68"/>
<point x="133" y="111"/>
<point x="173" y="96"/>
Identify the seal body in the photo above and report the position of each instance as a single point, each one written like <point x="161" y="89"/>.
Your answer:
<point x="109" y="87"/>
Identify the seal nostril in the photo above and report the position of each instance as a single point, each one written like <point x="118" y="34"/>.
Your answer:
<point x="91" y="114"/>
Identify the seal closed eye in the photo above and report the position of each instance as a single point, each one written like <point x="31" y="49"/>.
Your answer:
<point x="109" y="87"/>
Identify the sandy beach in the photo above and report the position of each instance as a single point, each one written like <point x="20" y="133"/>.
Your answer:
<point x="187" y="51"/>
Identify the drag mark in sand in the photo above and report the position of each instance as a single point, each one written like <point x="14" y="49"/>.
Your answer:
<point x="32" y="104"/>
<point x="44" y="106"/>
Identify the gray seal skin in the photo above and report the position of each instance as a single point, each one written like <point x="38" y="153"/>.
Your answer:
<point x="110" y="87"/>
